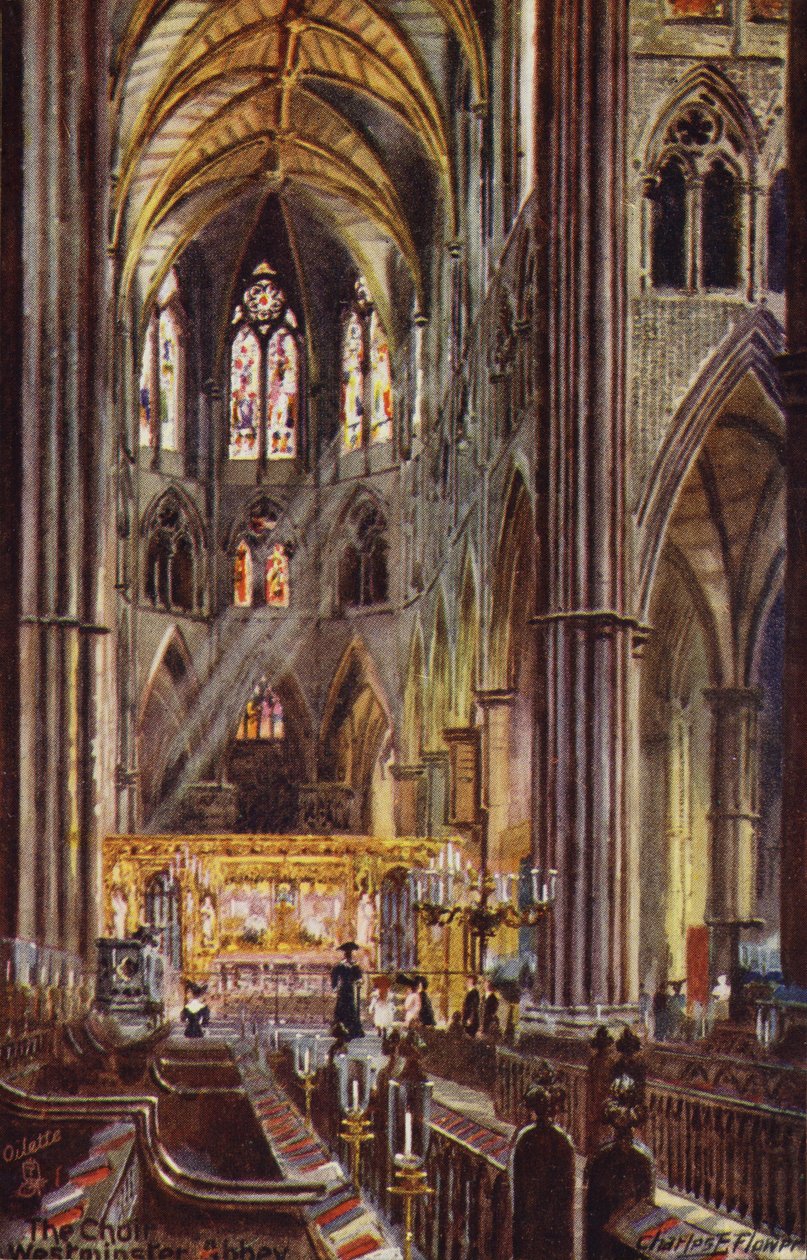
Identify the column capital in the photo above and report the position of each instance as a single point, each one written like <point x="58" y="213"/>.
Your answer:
<point x="489" y="697"/>
<point x="599" y="620"/>
<point x="733" y="697"/>
<point x="793" y="371"/>
<point x="404" y="774"/>
<point x="213" y="390"/>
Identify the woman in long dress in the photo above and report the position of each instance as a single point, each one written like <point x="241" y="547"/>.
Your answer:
<point x="195" y="1013"/>
<point x="346" y="979"/>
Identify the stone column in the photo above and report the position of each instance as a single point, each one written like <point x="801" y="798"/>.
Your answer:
<point x="585" y="802"/>
<point x="732" y="820"/>
<point x="495" y="706"/>
<point x="794" y="370"/>
<point x="11" y="400"/>
<point x="409" y="803"/>
<point x="68" y="561"/>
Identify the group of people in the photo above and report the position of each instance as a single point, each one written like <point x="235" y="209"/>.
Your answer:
<point x="480" y="1015"/>
<point x="480" y="1009"/>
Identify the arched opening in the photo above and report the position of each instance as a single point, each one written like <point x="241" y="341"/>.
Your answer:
<point x="163" y="913"/>
<point x="777" y="234"/>
<point x="709" y="706"/>
<point x="398" y="928"/>
<point x="355" y="731"/>
<point x="268" y="759"/>
<point x="439" y="683"/>
<point x="161" y="743"/>
<point x="669" y="228"/>
<point x="720" y="239"/>
<point x="467" y="651"/>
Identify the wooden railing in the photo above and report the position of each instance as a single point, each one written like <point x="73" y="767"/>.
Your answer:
<point x="741" y="1158"/>
<point x="746" y="1159"/>
<point x="515" y="1073"/>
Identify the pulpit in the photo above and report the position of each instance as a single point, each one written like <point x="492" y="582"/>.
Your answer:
<point x="129" y="978"/>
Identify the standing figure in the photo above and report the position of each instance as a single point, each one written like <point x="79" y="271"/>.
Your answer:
<point x="382" y="1009"/>
<point x="470" y="1008"/>
<point x="426" y="1013"/>
<point x="346" y="979"/>
<point x="366" y="921"/>
<point x="490" y="1011"/>
<point x="195" y="1013"/>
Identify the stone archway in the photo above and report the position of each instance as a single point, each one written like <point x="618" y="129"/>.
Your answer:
<point x="704" y="693"/>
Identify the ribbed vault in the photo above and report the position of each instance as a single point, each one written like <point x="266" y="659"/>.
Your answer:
<point x="215" y="99"/>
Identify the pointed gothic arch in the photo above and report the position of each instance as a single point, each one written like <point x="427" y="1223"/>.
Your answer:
<point x="356" y="725"/>
<point x="514" y="582"/>
<point x="168" y="694"/>
<point x="750" y="347"/>
<point x="440" y="677"/>
<point x="468" y="645"/>
<point x="414" y="698"/>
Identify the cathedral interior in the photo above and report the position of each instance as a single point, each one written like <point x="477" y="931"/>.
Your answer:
<point x="404" y="470"/>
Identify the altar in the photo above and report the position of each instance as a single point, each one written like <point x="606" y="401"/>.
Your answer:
<point x="258" y="914"/>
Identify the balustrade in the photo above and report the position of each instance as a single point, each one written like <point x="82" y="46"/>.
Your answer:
<point x="742" y="1158"/>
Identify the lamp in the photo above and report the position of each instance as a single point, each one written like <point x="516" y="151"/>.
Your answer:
<point x="354" y="1077"/>
<point x="408" y="1132"/>
<point x="306" y="1066"/>
<point x="449" y="889"/>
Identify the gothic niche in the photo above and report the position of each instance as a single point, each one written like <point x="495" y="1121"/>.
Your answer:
<point x="265" y="764"/>
<point x="173" y="578"/>
<point x="363" y="578"/>
<point x="260" y="562"/>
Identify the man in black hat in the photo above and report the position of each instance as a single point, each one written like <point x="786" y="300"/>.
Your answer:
<point x="346" y="979"/>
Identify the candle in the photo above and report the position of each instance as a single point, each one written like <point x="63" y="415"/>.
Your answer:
<point x="355" y="1095"/>
<point x="408" y="1133"/>
<point x="442" y="860"/>
<point x="534" y="874"/>
<point x="307" y="1061"/>
<point x="544" y="893"/>
<point x="599" y="1012"/>
<point x="8" y="971"/>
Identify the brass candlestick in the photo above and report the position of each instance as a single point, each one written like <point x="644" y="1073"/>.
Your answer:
<point x="410" y="1184"/>
<point x="356" y="1128"/>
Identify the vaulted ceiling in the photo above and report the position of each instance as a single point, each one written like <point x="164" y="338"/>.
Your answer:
<point x="336" y="107"/>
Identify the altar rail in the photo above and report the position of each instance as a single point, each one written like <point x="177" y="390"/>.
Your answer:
<point x="743" y="1158"/>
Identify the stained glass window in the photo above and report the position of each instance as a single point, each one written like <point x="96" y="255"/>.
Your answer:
<point x="242" y="576"/>
<point x="282" y="395"/>
<point x="263" y="716"/>
<point x="380" y="383"/>
<point x="277" y="577"/>
<point x="352" y="382"/>
<point x="147" y="434"/>
<point x="244" y="395"/>
<point x="169" y="381"/>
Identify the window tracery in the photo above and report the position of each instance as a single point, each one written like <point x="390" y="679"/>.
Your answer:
<point x="265" y="373"/>
<point x="173" y="571"/>
<point x="696" y="190"/>
<point x="162" y="373"/>
<point x="367" y="406"/>
<point x="276" y="577"/>
<point x="260" y="561"/>
<point x="363" y="575"/>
